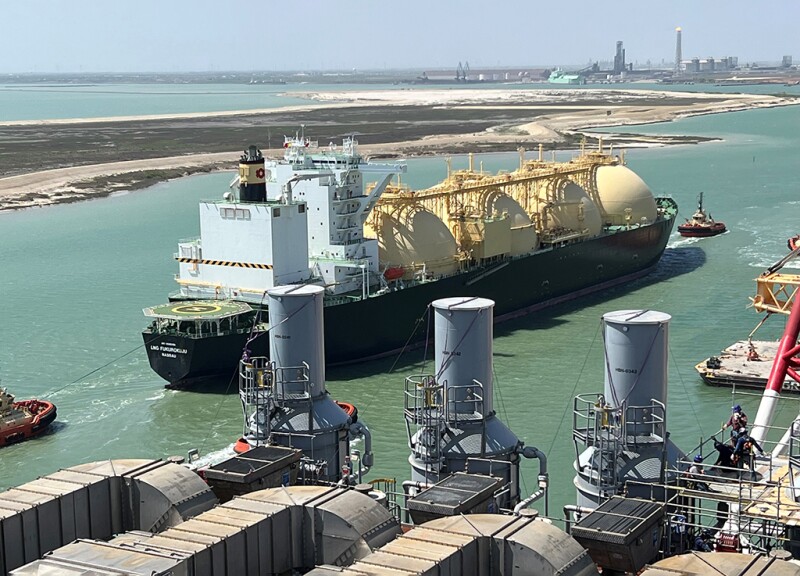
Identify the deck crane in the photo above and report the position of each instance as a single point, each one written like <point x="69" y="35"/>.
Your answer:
<point x="775" y="294"/>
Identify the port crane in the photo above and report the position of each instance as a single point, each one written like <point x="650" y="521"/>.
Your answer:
<point x="775" y="294"/>
<point x="462" y="72"/>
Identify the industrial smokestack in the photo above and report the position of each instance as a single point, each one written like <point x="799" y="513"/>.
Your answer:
<point x="619" y="58"/>
<point x="678" y="55"/>
<point x="622" y="434"/>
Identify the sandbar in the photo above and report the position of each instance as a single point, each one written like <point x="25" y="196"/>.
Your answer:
<point x="102" y="155"/>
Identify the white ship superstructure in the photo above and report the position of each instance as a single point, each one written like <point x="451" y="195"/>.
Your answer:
<point x="295" y="220"/>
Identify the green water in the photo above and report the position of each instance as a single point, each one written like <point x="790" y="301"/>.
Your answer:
<point x="74" y="278"/>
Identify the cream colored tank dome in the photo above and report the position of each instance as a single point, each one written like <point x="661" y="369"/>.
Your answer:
<point x="505" y="204"/>
<point x="413" y="236"/>
<point x="619" y="188"/>
<point x="523" y="233"/>
<point x="575" y="210"/>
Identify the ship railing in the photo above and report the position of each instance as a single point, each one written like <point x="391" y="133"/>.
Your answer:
<point x="508" y="494"/>
<point x="423" y="399"/>
<point x="199" y="330"/>
<point x="631" y="425"/>
<point x="758" y="493"/>
<point x="312" y="467"/>
<point x="645" y="424"/>
<point x="192" y="240"/>
<point x="353" y="241"/>
<point x="732" y="518"/>
<point x="338" y="199"/>
<point x="593" y="419"/>
<point x="389" y="487"/>
<point x="349" y="226"/>
<point x="293" y="383"/>
<point x="424" y="411"/>
<point x="426" y="397"/>
<point x="769" y="466"/>
<point x="350" y="211"/>
<point x="610" y="430"/>
<point x="256" y="380"/>
<point x="464" y="403"/>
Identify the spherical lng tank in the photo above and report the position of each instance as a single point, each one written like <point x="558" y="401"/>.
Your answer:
<point x="573" y="209"/>
<point x="413" y="236"/>
<point x="619" y="188"/>
<point x="523" y="232"/>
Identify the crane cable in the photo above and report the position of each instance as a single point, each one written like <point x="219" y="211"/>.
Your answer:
<point x="574" y="387"/>
<point x="106" y="365"/>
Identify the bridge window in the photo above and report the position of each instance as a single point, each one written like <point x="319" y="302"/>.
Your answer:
<point x="235" y="213"/>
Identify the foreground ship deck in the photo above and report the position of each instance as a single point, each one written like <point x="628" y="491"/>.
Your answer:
<point x="264" y="511"/>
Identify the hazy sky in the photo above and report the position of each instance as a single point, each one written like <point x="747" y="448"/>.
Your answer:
<point x="199" y="35"/>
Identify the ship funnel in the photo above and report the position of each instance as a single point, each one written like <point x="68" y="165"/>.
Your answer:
<point x="635" y="357"/>
<point x="450" y="420"/>
<point x="252" y="182"/>
<point x="296" y="336"/>
<point x="621" y="434"/>
<point x="464" y="353"/>
<point x="284" y="398"/>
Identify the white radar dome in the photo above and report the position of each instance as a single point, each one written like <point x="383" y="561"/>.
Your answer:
<point x="620" y="188"/>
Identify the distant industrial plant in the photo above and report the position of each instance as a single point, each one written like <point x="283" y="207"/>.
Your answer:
<point x="619" y="69"/>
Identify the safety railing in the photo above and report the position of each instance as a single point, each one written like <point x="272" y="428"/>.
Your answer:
<point x="725" y="521"/>
<point x="610" y="430"/>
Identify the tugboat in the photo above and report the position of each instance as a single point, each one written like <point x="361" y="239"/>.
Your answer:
<point x="23" y="419"/>
<point x="701" y="225"/>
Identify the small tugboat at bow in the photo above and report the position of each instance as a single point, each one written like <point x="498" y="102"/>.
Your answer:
<point x="701" y="225"/>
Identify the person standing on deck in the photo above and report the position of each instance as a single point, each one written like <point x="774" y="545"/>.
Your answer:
<point x="725" y="454"/>
<point x="737" y="420"/>
<point x="744" y="447"/>
<point x="695" y="474"/>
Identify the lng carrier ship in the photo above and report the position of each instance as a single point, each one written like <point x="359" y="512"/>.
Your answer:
<point x="545" y="233"/>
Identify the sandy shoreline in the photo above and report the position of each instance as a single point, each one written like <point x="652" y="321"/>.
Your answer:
<point x="558" y="115"/>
